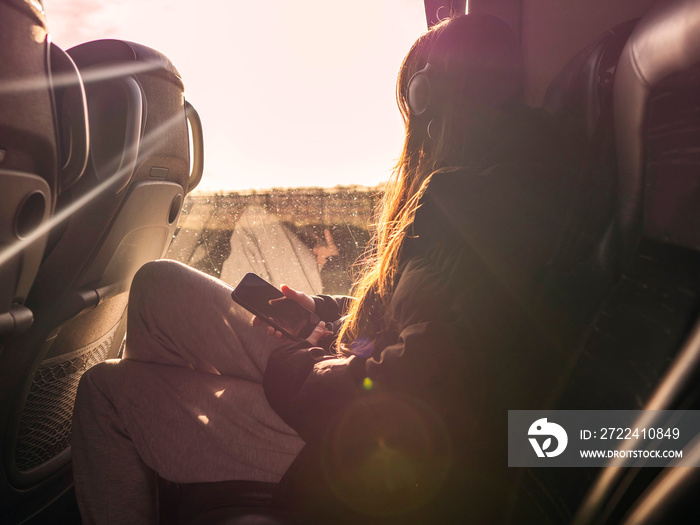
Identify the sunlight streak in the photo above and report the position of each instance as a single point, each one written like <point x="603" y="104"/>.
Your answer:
<point x="147" y="144"/>
<point x="97" y="74"/>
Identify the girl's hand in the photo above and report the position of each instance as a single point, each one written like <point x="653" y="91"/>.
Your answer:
<point x="298" y="297"/>
<point x="319" y="333"/>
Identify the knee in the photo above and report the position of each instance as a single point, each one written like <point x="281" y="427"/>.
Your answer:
<point x="155" y="272"/>
<point x="155" y="276"/>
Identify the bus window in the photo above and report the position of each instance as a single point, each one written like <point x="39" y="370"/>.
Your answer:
<point x="301" y="127"/>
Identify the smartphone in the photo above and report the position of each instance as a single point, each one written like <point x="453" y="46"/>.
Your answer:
<point x="268" y="303"/>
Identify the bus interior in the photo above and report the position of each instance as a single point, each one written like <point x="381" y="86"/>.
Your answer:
<point x="100" y="153"/>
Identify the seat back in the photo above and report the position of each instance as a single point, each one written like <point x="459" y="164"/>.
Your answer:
<point x="28" y="157"/>
<point x="582" y="92"/>
<point x="124" y="210"/>
<point x="44" y="150"/>
<point x="120" y="214"/>
<point x="580" y="97"/>
<point x="658" y="72"/>
<point x="653" y="306"/>
<point x="652" y="350"/>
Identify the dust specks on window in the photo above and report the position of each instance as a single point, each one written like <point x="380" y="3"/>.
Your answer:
<point x="306" y="238"/>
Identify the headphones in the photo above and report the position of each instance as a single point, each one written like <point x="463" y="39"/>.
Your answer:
<point x="430" y="87"/>
<point x="427" y="85"/>
<point x="423" y="88"/>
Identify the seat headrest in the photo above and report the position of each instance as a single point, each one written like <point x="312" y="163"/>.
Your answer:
<point x="583" y="88"/>
<point x="135" y="59"/>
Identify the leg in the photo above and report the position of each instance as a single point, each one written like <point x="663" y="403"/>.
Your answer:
<point x="133" y="419"/>
<point x="180" y="316"/>
<point x="186" y="402"/>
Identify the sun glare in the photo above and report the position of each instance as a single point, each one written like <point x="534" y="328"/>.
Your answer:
<point x="291" y="94"/>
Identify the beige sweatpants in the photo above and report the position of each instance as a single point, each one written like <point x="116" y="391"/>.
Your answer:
<point x="185" y="402"/>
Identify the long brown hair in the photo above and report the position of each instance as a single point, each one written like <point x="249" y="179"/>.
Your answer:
<point x="483" y="54"/>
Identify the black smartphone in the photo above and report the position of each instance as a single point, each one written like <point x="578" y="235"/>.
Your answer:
<point x="261" y="298"/>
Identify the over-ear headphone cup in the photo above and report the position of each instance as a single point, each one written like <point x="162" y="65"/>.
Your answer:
<point x="419" y="92"/>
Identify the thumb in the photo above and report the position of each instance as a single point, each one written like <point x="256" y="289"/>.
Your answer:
<point x="289" y="293"/>
<point x="298" y="297"/>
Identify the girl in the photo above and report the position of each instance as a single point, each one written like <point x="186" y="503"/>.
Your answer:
<point x="401" y="405"/>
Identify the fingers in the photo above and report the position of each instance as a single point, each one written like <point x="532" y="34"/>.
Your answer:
<point x="319" y="333"/>
<point x="298" y="297"/>
<point x="269" y="329"/>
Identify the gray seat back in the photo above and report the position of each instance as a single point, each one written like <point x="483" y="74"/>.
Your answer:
<point x="28" y="157"/>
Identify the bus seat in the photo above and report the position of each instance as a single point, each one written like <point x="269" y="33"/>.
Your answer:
<point x="218" y="503"/>
<point x="640" y="322"/>
<point x="658" y="72"/>
<point x="120" y="214"/>
<point x="44" y="150"/>
<point x="28" y="157"/>
<point x="653" y="306"/>
<point x="580" y="97"/>
<point x="582" y="92"/>
<point x="657" y="122"/>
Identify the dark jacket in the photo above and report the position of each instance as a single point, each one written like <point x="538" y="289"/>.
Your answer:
<point x="415" y="429"/>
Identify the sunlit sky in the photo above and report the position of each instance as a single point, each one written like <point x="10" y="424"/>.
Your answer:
<point x="291" y="93"/>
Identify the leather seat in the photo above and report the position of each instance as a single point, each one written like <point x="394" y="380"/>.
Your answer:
<point x="631" y="280"/>
<point x="658" y="219"/>
<point x="580" y="97"/>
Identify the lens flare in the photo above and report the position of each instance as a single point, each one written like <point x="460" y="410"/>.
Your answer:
<point x="362" y="347"/>
<point x="387" y="455"/>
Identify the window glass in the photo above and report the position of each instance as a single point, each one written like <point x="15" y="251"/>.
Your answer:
<point x="295" y="96"/>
